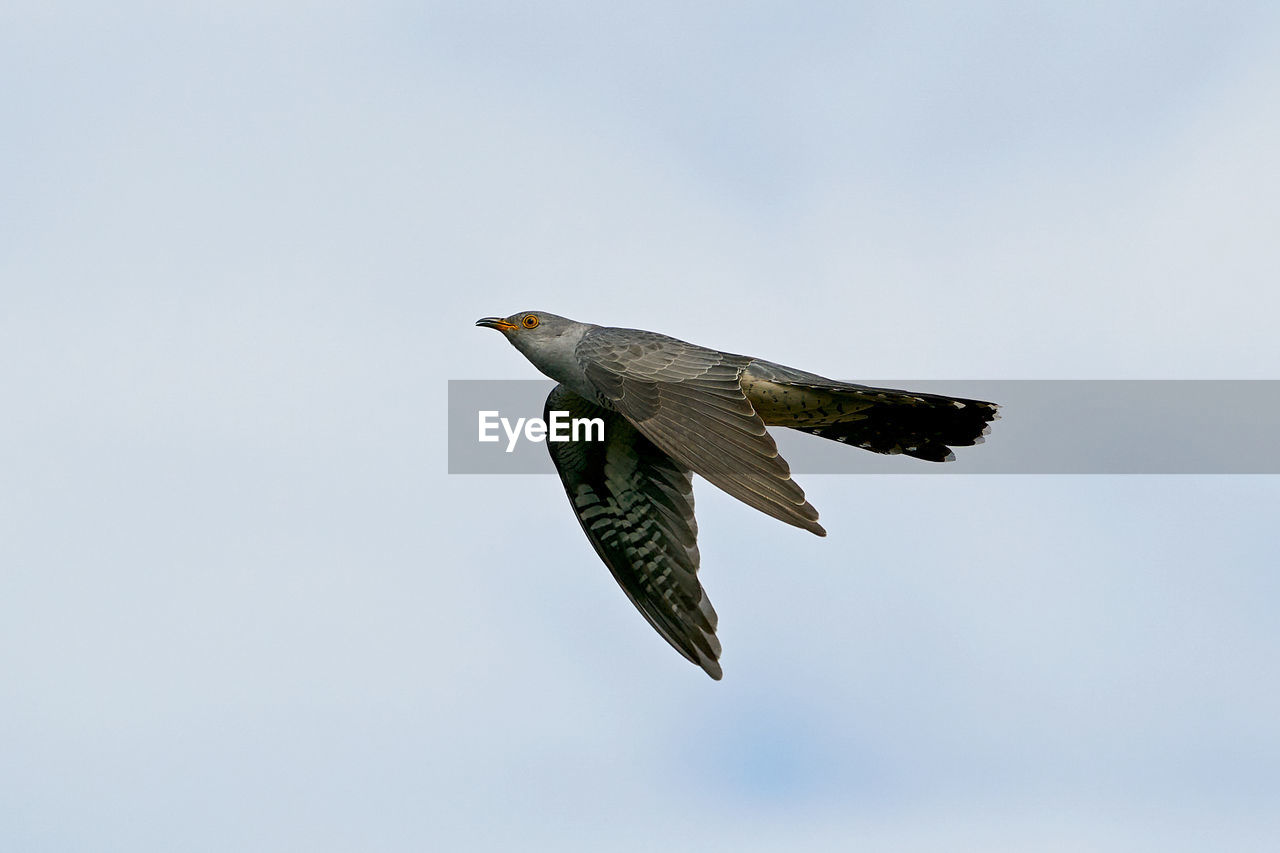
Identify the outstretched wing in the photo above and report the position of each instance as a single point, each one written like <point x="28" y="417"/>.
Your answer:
<point x="688" y="401"/>
<point x="635" y="504"/>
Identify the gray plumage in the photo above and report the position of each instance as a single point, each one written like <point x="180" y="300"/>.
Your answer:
<point x="672" y="409"/>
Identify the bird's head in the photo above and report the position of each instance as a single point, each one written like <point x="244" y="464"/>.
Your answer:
<point x="534" y="332"/>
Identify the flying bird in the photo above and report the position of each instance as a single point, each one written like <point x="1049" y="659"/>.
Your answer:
<point x="672" y="409"/>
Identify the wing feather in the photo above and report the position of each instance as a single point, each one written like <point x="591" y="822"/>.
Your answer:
<point x="635" y="504"/>
<point x="688" y="401"/>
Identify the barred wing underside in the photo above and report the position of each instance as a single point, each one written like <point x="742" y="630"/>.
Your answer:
<point x="635" y="504"/>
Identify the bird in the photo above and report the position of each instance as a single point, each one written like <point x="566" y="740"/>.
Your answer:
<point x="672" y="409"/>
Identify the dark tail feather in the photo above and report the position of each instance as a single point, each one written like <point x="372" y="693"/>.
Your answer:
<point x="925" y="426"/>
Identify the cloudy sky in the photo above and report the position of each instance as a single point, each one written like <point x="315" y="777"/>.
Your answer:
<point x="243" y="606"/>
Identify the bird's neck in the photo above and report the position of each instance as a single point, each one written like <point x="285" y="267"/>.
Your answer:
<point x="557" y="359"/>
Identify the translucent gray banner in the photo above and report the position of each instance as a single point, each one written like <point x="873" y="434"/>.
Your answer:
<point x="1045" y="427"/>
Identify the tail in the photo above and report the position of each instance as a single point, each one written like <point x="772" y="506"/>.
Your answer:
<point x="925" y="426"/>
<point x="882" y="420"/>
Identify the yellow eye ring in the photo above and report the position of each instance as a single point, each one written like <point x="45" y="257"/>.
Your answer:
<point x="530" y="321"/>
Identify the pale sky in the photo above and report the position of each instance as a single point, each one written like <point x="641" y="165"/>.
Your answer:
<point x="242" y="605"/>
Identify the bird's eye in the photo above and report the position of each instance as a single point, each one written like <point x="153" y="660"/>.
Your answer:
<point x="530" y="321"/>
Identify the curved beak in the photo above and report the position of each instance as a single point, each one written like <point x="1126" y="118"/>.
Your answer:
<point x="495" y="323"/>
